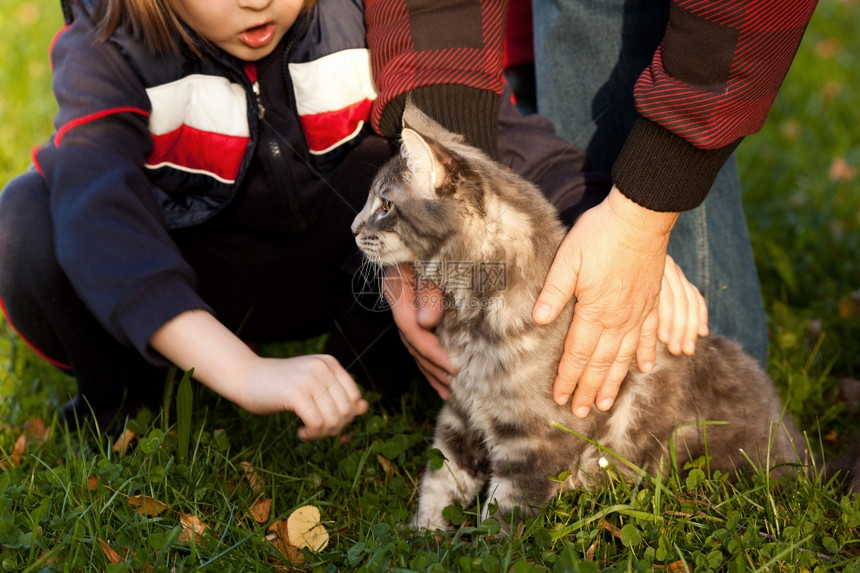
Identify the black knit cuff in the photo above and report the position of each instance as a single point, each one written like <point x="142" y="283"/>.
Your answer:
<point x="663" y="172"/>
<point x="471" y="112"/>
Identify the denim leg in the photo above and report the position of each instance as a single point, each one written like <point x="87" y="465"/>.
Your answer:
<point x="712" y="245"/>
<point x="588" y="55"/>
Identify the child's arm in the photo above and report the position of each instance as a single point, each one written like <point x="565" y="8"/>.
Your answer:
<point x="316" y="387"/>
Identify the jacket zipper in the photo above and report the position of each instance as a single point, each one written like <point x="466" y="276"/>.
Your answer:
<point x="261" y="110"/>
<point x="279" y="160"/>
<point x="284" y="177"/>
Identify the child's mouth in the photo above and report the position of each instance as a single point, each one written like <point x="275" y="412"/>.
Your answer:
<point x="258" y="36"/>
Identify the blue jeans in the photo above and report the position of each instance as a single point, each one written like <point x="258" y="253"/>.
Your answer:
<point x="588" y="55"/>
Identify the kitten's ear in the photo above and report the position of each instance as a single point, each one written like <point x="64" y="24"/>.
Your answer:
<point x="427" y="172"/>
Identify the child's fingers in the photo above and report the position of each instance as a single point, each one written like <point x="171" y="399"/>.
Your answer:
<point x="333" y="401"/>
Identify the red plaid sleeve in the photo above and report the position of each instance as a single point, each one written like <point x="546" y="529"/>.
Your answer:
<point x="429" y="43"/>
<point x="720" y="66"/>
<point x="710" y="84"/>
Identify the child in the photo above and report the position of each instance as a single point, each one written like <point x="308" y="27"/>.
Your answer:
<point x="209" y="158"/>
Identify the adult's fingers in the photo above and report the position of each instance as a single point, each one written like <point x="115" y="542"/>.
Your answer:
<point x="560" y="284"/>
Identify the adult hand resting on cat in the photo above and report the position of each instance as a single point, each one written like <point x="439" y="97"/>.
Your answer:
<point x="613" y="261"/>
<point x="681" y="310"/>
<point x="316" y="388"/>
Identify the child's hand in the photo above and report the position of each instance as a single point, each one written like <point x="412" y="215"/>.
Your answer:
<point x="682" y="310"/>
<point x="315" y="387"/>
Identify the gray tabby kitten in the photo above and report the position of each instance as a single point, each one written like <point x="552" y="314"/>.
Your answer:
<point x="460" y="218"/>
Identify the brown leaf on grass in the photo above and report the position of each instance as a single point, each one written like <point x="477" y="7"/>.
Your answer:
<point x="828" y="48"/>
<point x="14" y="458"/>
<point x="616" y="532"/>
<point x="92" y="483"/>
<point x="387" y="466"/>
<point x="841" y="170"/>
<point x="123" y="443"/>
<point x="674" y="567"/>
<point x="589" y="555"/>
<point x="791" y="129"/>
<point x="830" y="91"/>
<point x="109" y="552"/>
<point x="254" y="480"/>
<point x="261" y="510"/>
<point x="305" y="529"/>
<point x="147" y="505"/>
<point x="36" y="429"/>
<point x="281" y="539"/>
<point x="192" y="528"/>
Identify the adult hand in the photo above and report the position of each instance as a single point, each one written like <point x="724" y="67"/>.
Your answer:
<point x="682" y="310"/>
<point x="416" y="315"/>
<point x="612" y="261"/>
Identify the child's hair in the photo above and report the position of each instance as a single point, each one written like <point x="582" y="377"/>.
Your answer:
<point x="154" y="22"/>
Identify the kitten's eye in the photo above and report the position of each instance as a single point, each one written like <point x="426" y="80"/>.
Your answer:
<point x="387" y="205"/>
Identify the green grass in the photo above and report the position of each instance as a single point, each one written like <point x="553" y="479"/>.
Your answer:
<point x="72" y="490"/>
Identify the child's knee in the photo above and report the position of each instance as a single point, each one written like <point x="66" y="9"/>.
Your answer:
<point x="26" y="236"/>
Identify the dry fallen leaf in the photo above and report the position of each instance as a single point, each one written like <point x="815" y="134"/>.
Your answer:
<point x="146" y="505"/>
<point x="305" y="529"/>
<point x="122" y="443"/>
<point x="828" y="48"/>
<point x="261" y="510"/>
<point x="14" y="458"/>
<point x="387" y="466"/>
<point x="281" y="539"/>
<point x="830" y="91"/>
<point x="675" y="567"/>
<point x="192" y="528"/>
<point x="615" y="531"/>
<point x="791" y="129"/>
<point x="111" y="555"/>
<point x="92" y="483"/>
<point x="254" y="480"/>
<point x="36" y="429"/>
<point x="841" y="170"/>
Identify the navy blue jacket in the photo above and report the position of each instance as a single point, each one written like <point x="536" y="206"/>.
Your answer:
<point x="146" y="144"/>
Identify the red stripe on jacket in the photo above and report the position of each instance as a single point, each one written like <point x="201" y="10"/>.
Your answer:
<point x="325" y="130"/>
<point x="190" y="149"/>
